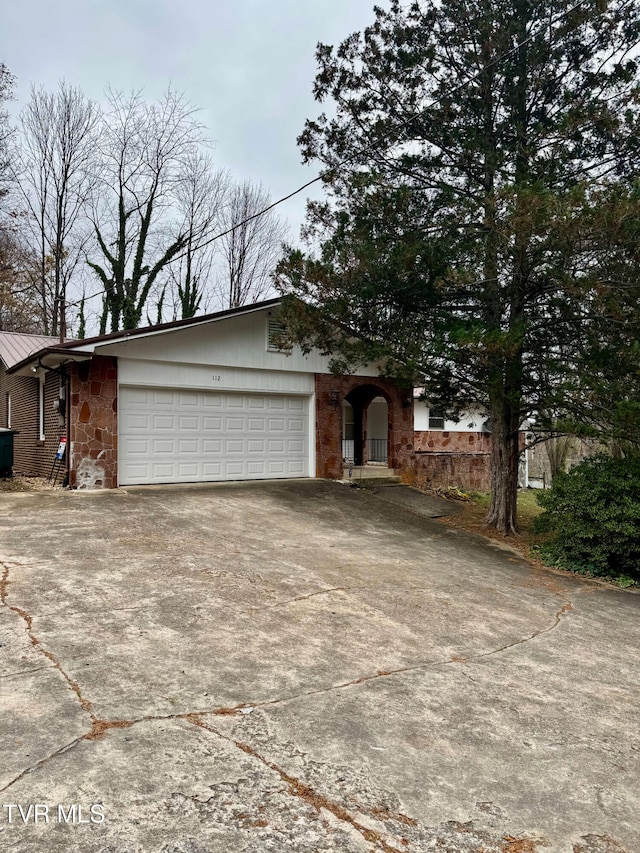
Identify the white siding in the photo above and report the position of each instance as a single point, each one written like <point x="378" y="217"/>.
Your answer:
<point x="214" y="377"/>
<point x="236" y="342"/>
<point x="470" y="421"/>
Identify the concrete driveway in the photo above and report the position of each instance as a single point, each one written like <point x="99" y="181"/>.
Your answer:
<point x="305" y="667"/>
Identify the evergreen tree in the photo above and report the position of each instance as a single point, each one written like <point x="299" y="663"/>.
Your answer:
<point x="464" y="145"/>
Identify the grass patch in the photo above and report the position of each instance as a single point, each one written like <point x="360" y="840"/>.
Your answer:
<point x="472" y="513"/>
<point x="471" y="517"/>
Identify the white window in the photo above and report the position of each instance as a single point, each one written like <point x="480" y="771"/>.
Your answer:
<point x="274" y="330"/>
<point x="436" y="418"/>
<point x="41" y="409"/>
<point x="8" y="410"/>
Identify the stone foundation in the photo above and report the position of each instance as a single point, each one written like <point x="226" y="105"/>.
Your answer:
<point x="445" y="441"/>
<point x="467" y="471"/>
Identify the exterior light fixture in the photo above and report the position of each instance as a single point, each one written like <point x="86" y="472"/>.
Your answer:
<point x="334" y="396"/>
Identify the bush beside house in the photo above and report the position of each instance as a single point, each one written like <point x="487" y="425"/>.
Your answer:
<point x="593" y="513"/>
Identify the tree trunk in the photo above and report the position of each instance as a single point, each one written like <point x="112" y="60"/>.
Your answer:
<point x="505" y="457"/>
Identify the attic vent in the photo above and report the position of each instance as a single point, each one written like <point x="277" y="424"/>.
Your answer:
<point x="274" y="330"/>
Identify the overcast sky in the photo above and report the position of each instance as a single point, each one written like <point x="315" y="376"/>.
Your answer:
<point x="249" y="64"/>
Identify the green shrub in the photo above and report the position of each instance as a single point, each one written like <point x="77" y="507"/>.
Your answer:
<point x="594" y="514"/>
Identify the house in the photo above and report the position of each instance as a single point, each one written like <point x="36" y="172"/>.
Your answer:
<point x="210" y="398"/>
<point x="448" y="452"/>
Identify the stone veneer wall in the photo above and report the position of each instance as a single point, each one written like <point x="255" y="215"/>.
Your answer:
<point x="329" y="422"/>
<point x="94" y="416"/>
<point x="441" y="470"/>
<point x="445" y="441"/>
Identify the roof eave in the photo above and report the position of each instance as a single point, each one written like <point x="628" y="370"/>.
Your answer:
<point x="50" y="357"/>
<point x="84" y="349"/>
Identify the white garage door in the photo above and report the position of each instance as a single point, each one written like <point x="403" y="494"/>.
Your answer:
<point x="175" y="436"/>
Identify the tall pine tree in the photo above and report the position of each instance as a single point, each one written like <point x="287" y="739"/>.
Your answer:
<point x="464" y="143"/>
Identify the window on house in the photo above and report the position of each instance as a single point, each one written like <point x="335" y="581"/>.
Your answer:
<point x="274" y="330"/>
<point x="436" y="418"/>
<point x="41" y="434"/>
<point x="8" y="410"/>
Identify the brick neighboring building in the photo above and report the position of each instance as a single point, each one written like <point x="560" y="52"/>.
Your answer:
<point x="28" y="405"/>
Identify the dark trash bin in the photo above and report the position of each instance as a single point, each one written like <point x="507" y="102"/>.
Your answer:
<point x="6" y="451"/>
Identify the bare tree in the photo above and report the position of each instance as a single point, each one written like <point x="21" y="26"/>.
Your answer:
<point x="55" y="175"/>
<point x="19" y="309"/>
<point x="200" y="198"/>
<point x="252" y="249"/>
<point x="7" y="82"/>
<point x="144" y="148"/>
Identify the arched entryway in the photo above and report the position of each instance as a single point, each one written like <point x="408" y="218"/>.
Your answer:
<point x="365" y="426"/>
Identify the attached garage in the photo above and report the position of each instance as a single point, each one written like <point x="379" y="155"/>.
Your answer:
<point x="205" y="399"/>
<point x="188" y="436"/>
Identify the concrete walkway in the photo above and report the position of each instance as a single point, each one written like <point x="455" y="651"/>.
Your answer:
<point x="301" y="666"/>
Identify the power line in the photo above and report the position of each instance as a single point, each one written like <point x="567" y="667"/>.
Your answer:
<point x="372" y="146"/>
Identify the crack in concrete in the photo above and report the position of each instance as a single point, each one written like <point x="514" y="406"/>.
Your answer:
<point x="566" y="607"/>
<point x="297" y="788"/>
<point x="37" y="644"/>
<point x="288" y="601"/>
<point x="43" y="761"/>
<point x="99" y="726"/>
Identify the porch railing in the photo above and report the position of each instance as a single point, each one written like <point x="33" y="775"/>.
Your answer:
<point x="348" y="449"/>
<point x="376" y="450"/>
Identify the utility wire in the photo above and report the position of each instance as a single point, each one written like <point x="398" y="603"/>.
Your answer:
<point x="386" y="137"/>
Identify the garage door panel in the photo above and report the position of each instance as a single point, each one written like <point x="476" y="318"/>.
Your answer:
<point x="163" y="398"/>
<point x="212" y="470"/>
<point x="188" y="469"/>
<point x="160" y="447"/>
<point x="135" y="423"/>
<point x="189" y="422"/>
<point x="212" y="401"/>
<point x="162" y="423"/>
<point x="161" y="469"/>
<point x="186" y="446"/>
<point x="234" y="469"/>
<point x="194" y="436"/>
